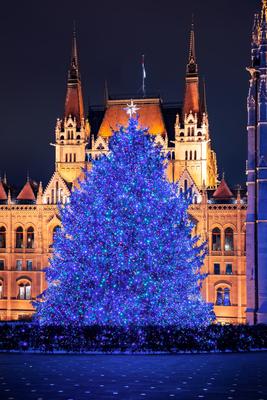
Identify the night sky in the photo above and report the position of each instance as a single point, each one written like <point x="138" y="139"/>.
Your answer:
<point x="35" y="42"/>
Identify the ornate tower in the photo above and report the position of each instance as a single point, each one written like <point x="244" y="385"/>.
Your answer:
<point x="73" y="130"/>
<point x="257" y="174"/>
<point x="192" y="139"/>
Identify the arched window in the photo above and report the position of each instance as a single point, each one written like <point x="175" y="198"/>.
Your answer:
<point x="62" y="137"/>
<point x="71" y="135"/>
<point x="188" y="131"/>
<point x="190" y="154"/>
<point x="1" y="289"/>
<point x="199" y="134"/>
<point x="219" y="297"/>
<point x="228" y="239"/>
<point x="78" y="137"/>
<point x="54" y="231"/>
<point x="70" y="158"/>
<point x="223" y="297"/>
<point x="30" y="238"/>
<point x="216" y="239"/>
<point x="182" y="134"/>
<point x="2" y="237"/>
<point x="226" y="299"/>
<point x="19" y="238"/>
<point x="195" y="155"/>
<point x="24" y="291"/>
<point x="186" y="155"/>
<point x="192" y="132"/>
<point x="74" y="157"/>
<point x="66" y="157"/>
<point x="185" y="185"/>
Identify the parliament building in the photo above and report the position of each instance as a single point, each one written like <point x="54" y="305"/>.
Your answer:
<point x="235" y="283"/>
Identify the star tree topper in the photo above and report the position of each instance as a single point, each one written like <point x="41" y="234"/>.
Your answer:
<point x="131" y="109"/>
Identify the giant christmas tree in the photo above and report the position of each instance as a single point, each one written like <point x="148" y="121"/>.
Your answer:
<point x="125" y="254"/>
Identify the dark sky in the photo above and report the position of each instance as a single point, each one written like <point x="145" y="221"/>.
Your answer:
<point x="35" y="41"/>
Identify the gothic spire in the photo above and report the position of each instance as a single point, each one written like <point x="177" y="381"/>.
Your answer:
<point x="191" y="99"/>
<point x="74" y="99"/>
<point x="192" y="62"/>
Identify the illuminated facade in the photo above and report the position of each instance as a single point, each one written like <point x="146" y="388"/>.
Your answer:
<point x="28" y="219"/>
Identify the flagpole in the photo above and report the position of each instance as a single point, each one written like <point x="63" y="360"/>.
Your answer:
<point x="143" y="76"/>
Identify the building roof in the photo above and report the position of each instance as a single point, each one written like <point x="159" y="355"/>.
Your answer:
<point x="3" y="194"/>
<point x="223" y="192"/>
<point x="26" y="192"/>
<point x="150" y="116"/>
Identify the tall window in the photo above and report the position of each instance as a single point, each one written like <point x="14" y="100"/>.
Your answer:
<point x="195" y="155"/>
<point x="2" y="237"/>
<point x="30" y="238"/>
<point x="216" y="239"/>
<point x="29" y="265"/>
<point x="18" y="265"/>
<point x="229" y="239"/>
<point x="186" y="155"/>
<point x="1" y="289"/>
<point x="229" y="269"/>
<point x="219" y="297"/>
<point x="24" y="291"/>
<point x="190" y="155"/>
<point x="19" y="237"/>
<point x="216" y="269"/>
<point x="185" y="185"/>
<point x="2" y="265"/>
<point x="226" y="300"/>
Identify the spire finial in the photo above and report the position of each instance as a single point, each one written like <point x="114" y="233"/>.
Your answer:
<point x="28" y="176"/>
<point x="74" y="53"/>
<point x="192" y="63"/>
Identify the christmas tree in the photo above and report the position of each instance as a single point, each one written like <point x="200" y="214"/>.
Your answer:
<point x="125" y="254"/>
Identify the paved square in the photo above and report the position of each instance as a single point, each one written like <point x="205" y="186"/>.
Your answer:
<point x="130" y="377"/>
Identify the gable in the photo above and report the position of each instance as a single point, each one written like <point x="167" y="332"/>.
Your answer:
<point x="56" y="191"/>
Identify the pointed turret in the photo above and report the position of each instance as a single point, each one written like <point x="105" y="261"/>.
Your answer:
<point x="74" y="99"/>
<point x="191" y="100"/>
<point x="223" y="191"/>
<point x="26" y="192"/>
<point x="3" y="195"/>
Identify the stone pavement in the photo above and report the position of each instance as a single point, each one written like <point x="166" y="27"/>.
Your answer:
<point x="131" y="377"/>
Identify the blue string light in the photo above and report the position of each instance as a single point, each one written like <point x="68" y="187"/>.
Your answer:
<point x="125" y="255"/>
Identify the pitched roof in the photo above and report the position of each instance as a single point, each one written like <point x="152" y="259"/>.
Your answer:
<point x="26" y="192"/>
<point x="150" y="116"/>
<point x="3" y="195"/>
<point x="223" y="191"/>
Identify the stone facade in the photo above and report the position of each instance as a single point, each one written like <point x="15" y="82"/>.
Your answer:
<point x="29" y="219"/>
